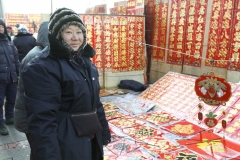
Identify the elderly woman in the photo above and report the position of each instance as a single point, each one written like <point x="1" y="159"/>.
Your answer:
<point x="66" y="120"/>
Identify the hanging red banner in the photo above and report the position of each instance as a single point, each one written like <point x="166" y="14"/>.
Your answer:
<point x="123" y="55"/>
<point x="195" y="32"/>
<point x="107" y="37"/>
<point x="177" y="32"/>
<point x="219" y="33"/>
<point x="139" y="55"/>
<point x="235" y="45"/>
<point x="89" y="23"/>
<point x="156" y="31"/>
<point x="98" y="36"/>
<point x="115" y="43"/>
<point x="132" y="44"/>
<point x="159" y="31"/>
<point x="163" y="31"/>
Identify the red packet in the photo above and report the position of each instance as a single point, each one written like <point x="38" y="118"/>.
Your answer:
<point x="136" y="155"/>
<point x="183" y="128"/>
<point x="126" y="122"/>
<point x="111" y="114"/>
<point x="109" y="106"/>
<point x="157" y="145"/>
<point x="181" y="155"/>
<point x="122" y="147"/>
<point x="141" y="132"/>
<point x="211" y="145"/>
<point x="158" y="117"/>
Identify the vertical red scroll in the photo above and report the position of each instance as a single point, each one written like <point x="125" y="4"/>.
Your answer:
<point x="123" y="44"/>
<point x="219" y="34"/>
<point x="98" y="35"/>
<point x="177" y="32"/>
<point x="235" y="46"/>
<point x="107" y="38"/>
<point x="131" y="42"/>
<point x="195" y="32"/>
<point x="115" y="44"/>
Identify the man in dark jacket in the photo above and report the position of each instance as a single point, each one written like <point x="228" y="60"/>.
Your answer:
<point x="24" y="41"/>
<point x="20" y="113"/>
<point x="9" y="66"/>
<point x="60" y="84"/>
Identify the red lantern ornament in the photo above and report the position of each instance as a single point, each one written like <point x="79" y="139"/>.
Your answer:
<point x="212" y="89"/>
<point x="211" y="121"/>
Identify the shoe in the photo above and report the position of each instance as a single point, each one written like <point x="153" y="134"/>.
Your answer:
<point x="3" y="129"/>
<point x="9" y="121"/>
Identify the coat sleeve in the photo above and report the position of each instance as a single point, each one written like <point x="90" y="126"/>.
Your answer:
<point x="106" y="136"/>
<point x="42" y="101"/>
<point x="16" y="59"/>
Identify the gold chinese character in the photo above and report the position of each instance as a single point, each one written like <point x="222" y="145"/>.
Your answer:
<point x="174" y="14"/>
<point x="200" y="19"/>
<point x="189" y="36"/>
<point x="183" y="4"/>
<point x="202" y="10"/>
<point x="182" y="12"/>
<point x="199" y="36"/>
<point x="180" y="37"/>
<point x="192" y="2"/>
<point x="181" y="21"/>
<point x="173" y="22"/>
<point x="215" y="15"/>
<point x="191" y="11"/>
<point x="199" y="28"/>
<point x="237" y="36"/>
<point x="228" y="5"/>
<point x="190" y="28"/>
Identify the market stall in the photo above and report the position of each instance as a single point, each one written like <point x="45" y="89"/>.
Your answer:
<point x="163" y="123"/>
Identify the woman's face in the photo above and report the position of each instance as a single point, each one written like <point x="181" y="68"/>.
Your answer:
<point x="1" y="29"/>
<point x="73" y="36"/>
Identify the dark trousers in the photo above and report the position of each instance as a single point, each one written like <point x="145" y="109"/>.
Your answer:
<point x="96" y="152"/>
<point x="8" y="90"/>
<point x="27" y="135"/>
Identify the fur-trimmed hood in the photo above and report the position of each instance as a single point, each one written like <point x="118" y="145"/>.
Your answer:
<point x="57" y="50"/>
<point x="60" y="19"/>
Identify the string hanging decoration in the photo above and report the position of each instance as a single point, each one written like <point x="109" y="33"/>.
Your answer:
<point x="212" y="89"/>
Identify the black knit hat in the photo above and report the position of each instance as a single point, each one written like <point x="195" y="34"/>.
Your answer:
<point x="5" y="29"/>
<point x="61" y="19"/>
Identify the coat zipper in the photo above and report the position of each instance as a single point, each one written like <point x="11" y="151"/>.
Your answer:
<point x="83" y="114"/>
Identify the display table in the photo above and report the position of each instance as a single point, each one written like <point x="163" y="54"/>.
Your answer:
<point x="172" y="129"/>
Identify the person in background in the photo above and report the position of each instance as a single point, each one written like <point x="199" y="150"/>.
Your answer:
<point x="20" y="113"/>
<point x="62" y="95"/>
<point x="24" y="41"/>
<point x="9" y="66"/>
<point x="10" y="33"/>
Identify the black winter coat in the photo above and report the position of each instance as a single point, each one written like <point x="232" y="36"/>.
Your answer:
<point x="24" y="43"/>
<point x="9" y="63"/>
<point x="60" y="84"/>
<point x="20" y="113"/>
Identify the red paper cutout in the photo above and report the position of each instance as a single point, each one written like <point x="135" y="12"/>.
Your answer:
<point x="212" y="145"/>
<point x="183" y="128"/>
